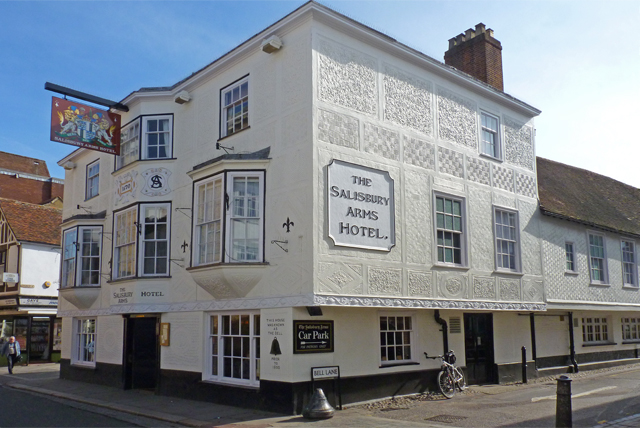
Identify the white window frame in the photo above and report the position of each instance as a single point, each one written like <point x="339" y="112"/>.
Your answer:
<point x="129" y="144"/>
<point x="572" y="255"/>
<point x="629" y="264"/>
<point x="594" y="258"/>
<point x="497" y="149"/>
<point x="630" y="328"/>
<point x="93" y="180"/>
<point x="93" y="246"/>
<point x="228" y="217"/>
<point x="154" y="242"/>
<point x="146" y="134"/>
<point x="227" y="103"/>
<point x="209" y="220"/>
<point x="462" y="233"/>
<point x="500" y="239"/>
<point x="125" y="241"/>
<point x="219" y="340"/>
<point x="389" y="338"/>
<point x="84" y="341"/>
<point x="69" y="253"/>
<point x="596" y="330"/>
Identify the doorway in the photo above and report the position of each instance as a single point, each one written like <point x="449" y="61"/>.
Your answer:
<point x="478" y="340"/>
<point x="141" y="353"/>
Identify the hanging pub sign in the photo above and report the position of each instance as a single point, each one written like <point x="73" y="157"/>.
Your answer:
<point x="312" y="336"/>
<point x="360" y="206"/>
<point x="84" y="126"/>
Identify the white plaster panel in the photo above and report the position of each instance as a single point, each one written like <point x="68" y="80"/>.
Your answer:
<point x="417" y="206"/>
<point x="296" y="68"/>
<point x="339" y="278"/>
<point x="513" y="335"/>
<point x="338" y="129"/>
<point x="347" y="77"/>
<point x="481" y="239"/>
<point x="450" y="162"/>
<point x="296" y="130"/>
<point x="552" y="335"/>
<point x="478" y="170"/>
<point x="276" y="325"/>
<point x="518" y="144"/>
<point x="407" y="100"/>
<point x="264" y="88"/>
<point x="109" y="343"/>
<point x="381" y="141"/>
<point x="384" y="281"/>
<point x="484" y="288"/>
<point x="420" y="283"/>
<point x="419" y="153"/>
<point x="503" y="178"/>
<point x="457" y="118"/>
<point x="530" y="243"/>
<point x="67" y="337"/>
<point x="40" y="263"/>
<point x="526" y="185"/>
<point x="186" y="341"/>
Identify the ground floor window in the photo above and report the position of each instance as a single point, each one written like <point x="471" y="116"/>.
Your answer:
<point x="396" y="337"/>
<point x="84" y="337"/>
<point x="595" y="330"/>
<point x="234" y="344"/>
<point x="630" y="329"/>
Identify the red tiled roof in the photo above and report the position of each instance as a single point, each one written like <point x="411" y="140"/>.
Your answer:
<point x="23" y="164"/>
<point x="32" y="223"/>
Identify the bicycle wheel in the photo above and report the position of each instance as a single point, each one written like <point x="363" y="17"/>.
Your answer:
<point x="462" y="383"/>
<point x="446" y="384"/>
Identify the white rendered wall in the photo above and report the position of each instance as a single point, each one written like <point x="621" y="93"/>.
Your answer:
<point x="110" y="340"/>
<point x="185" y="350"/>
<point x="39" y="264"/>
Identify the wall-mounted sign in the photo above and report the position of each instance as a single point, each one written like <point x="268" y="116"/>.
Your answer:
<point x="139" y="293"/>
<point x="360" y="206"/>
<point x="36" y="301"/>
<point x="165" y="330"/>
<point x="325" y="372"/>
<point x="312" y="336"/>
<point x="156" y="182"/>
<point x="125" y="188"/>
<point x="85" y="126"/>
<point x="8" y="302"/>
<point x="10" y="277"/>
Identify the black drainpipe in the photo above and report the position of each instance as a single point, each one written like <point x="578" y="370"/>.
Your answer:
<point x="532" y="323"/>
<point x="572" y="344"/>
<point x="445" y="336"/>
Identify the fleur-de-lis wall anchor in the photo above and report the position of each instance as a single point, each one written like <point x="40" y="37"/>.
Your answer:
<point x="288" y="224"/>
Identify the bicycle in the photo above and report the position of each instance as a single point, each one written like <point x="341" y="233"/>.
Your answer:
<point x="449" y="376"/>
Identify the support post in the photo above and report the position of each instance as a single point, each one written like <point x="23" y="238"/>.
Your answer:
<point x="524" y="364"/>
<point x="563" y="403"/>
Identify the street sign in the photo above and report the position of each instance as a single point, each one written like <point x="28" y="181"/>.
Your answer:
<point x="312" y="336"/>
<point x="10" y="277"/>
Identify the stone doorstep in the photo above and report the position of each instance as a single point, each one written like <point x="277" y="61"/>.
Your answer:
<point x="122" y="408"/>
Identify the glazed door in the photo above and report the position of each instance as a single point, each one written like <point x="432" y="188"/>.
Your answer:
<point x="141" y="353"/>
<point x="478" y="338"/>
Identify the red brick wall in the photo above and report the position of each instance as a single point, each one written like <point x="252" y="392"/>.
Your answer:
<point x="28" y="190"/>
<point x="481" y="57"/>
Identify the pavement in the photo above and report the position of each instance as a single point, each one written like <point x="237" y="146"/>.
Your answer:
<point x="43" y="379"/>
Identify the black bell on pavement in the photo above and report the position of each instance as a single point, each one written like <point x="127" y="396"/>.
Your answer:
<point x="319" y="407"/>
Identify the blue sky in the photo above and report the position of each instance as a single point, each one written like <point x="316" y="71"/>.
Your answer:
<point x="577" y="61"/>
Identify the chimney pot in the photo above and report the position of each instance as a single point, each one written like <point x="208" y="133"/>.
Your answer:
<point x="480" y="28"/>
<point x="469" y="34"/>
<point x="459" y="39"/>
<point x="452" y="42"/>
<point x="490" y="32"/>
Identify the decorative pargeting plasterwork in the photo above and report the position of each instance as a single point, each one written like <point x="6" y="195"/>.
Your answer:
<point x="420" y="284"/>
<point x="309" y="300"/>
<point x="457" y="119"/>
<point x="338" y="129"/>
<point x="381" y="141"/>
<point x="347" y="77"/>
<point x="509" y="289"/>
<point x="452" y="286"/>
<point x="451" y="162"/>
<point x="518" y="143"/>
<point x="526" y="185"/>
<point x="419" y="153"/>
<point x="478" y="170"/>
<point x="385" y="281"/>
<point x="407" y="100"/>
<point x="339" y="278"/>
<point x="503" y="178"/>
<point x="484" y="288"/>
<point x="533" y="291"/>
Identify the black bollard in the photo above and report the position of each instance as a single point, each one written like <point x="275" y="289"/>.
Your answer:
<point x="524" y="364"/>
<point x="563" y="402"/>
<point x="319" y="407"/>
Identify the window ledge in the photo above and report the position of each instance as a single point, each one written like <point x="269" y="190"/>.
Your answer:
<point x="228" y="280"/>
<point x="630" y="287"/>
<point x="235" y="133"/>
<point x="631" y="341"/>
<point x="587" y="345"/>
<point x="236" y="385"/>
<point x="398" y="364"/>
<point x="446" y="266"/>
<point x="508" y="272"/>
<point x="488" y="156"/>
<point x="571" y="273"/>
<point x="599" y="284"/>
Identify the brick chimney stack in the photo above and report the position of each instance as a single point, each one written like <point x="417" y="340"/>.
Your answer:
<point x="477" y="53"/>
